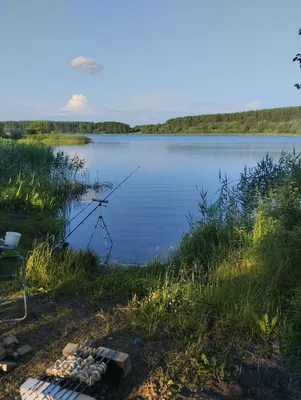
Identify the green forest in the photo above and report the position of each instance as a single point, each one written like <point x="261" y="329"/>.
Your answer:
<point x="277" y="120"/>
<point x="269" y="121"/>
<point x="44" y="127"/>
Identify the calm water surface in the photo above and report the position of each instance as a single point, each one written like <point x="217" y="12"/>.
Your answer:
<point x="148" y="214"/>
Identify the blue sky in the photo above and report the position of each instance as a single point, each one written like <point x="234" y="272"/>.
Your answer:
<point x="144" y="61"/>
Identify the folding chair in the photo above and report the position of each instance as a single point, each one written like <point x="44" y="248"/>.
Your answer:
<point x="9" y="271"/>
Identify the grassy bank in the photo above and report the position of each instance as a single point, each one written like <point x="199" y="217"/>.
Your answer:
<point x="224" y="310"/>
<point x="55" y="139"/>
<point x="36" y="184"/>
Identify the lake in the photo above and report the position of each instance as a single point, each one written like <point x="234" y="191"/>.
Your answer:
<point x="147" y="215"/>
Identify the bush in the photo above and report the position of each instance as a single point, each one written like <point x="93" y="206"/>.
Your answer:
<point x="236" y="277"/>
<point x="35" y="177"/>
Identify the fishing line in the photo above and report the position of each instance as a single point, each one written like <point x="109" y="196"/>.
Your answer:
<point x="73" y="218"/>
<point x="94" y="209"/>
<point x="118" y="186"/>
<point x="63" y="227"/>
<point x="77" y="226"/>
<point x="67" y="223"/>
<point x="101" y="201"/>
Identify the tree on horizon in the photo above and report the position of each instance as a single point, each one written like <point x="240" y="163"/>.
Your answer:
<point x="298" y="59"/>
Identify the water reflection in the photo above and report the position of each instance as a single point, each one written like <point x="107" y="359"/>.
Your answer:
<point x="148" y="214"/>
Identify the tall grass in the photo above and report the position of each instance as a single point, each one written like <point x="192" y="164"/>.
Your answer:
<point x="236" y="277"/>
<point x="233" y="284"/>
<point x="235" y="274"/>
<point x="36" y="185"/>
<point x="35" y="177"/>
<point x="65" y="270"/>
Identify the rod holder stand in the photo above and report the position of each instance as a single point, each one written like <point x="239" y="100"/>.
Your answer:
<point x="100" y="201"/>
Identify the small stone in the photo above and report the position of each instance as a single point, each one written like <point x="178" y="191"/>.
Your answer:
<point x="10" y="341"/>
<point x="16" y="355"/>
<point x="9" y="351"/>
<point x="185" y="393"/>
<point x="24" y="350"/>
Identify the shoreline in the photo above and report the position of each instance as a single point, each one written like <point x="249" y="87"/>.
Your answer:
<point x="222" y="317"/>
<point x="192" y="134"/>
<point x="217" y="134"/>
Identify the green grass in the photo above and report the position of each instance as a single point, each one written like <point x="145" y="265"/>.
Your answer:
<point x="56" y="139"/>
<point x="36" y="185"/>
<point x="236" y="278"/>
<point x="65" y="271"/>
<point x="233" y="284"/>
<point x="235" y="274"/>
<point x="34" y="177"/>
<point x="231" y="238"/>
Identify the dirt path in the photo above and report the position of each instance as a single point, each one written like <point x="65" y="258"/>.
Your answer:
<point x="52" y="323"/>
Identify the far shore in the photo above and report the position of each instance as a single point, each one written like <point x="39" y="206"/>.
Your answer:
<point x="190" y="134"/>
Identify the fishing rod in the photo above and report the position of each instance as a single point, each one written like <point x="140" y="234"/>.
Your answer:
<point x="53" y="236"/>
<point x="121" y="183"/>
<point x="100" y="203"/>
<point x="75" y="216"/>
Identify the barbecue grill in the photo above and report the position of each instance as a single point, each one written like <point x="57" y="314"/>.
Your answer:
<point x="117" y="365"/>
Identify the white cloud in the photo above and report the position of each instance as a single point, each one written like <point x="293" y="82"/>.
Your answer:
<point x="78" y="104"/>
<point x="253" y="105"/>
<point x="152" y="107"/>
<point x="86" y="64"/>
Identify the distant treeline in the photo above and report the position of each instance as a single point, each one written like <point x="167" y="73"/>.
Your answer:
<point x="43" y="127"/>
<point x="277" y="120"/>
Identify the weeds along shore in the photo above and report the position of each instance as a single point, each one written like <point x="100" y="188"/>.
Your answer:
<point x="231" y="290"/>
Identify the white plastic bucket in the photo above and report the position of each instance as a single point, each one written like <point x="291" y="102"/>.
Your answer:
<point x="12" y="239"/>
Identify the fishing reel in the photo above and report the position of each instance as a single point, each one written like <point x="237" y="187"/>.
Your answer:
<point x="60" y="245"/>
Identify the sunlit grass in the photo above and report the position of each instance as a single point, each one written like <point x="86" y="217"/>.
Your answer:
<point x="66" y="270"/>
<point x="36" y="185"/>
<point x="35" y="177"/>
<point x="234" y="281"/>
<point x="56" y="139"/>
